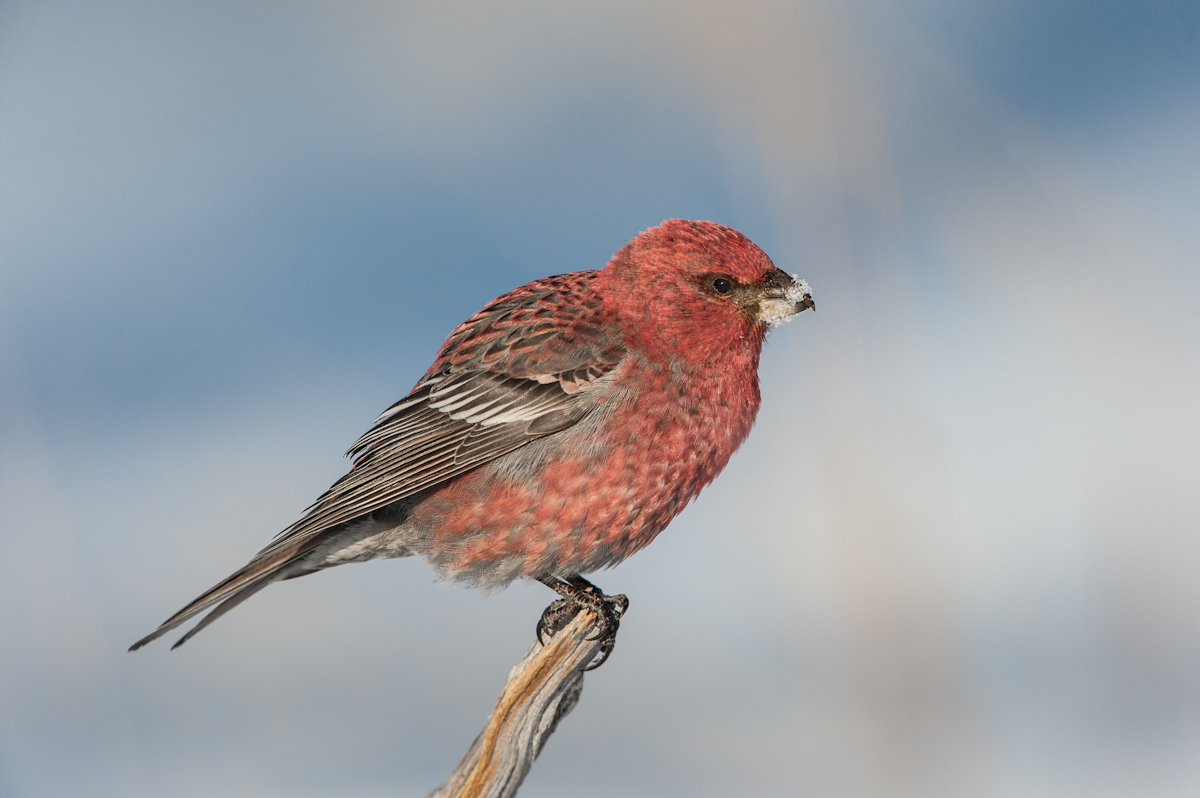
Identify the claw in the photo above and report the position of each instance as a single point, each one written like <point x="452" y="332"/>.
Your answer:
<point x="554" y="618"/>
<point x="578" y="593"/>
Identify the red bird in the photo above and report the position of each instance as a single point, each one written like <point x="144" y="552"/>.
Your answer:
<point x="559" y="430"/>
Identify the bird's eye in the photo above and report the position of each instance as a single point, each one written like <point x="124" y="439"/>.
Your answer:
<point x="722" y="285"/>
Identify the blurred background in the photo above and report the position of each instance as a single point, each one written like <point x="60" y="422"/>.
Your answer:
<point x="959" y="556"/>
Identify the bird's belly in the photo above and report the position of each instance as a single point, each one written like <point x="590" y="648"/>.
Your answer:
<point x="583" y="499"/>
<point x="573" y="516"/>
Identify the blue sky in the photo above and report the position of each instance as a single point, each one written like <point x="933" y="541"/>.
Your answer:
<point x="956" y="557"/>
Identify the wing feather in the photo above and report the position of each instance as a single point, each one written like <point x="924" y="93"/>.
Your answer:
<point x="524" y="367"/>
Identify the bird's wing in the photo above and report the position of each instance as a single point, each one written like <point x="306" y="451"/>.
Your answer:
<point x="522" y="368"/>
<point x="526" y="366"/>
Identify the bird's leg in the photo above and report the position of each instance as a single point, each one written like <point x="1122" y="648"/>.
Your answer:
<point x="578" y="593"/>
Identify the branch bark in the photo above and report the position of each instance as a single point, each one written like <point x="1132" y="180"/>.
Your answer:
<point x="541" y="689"/>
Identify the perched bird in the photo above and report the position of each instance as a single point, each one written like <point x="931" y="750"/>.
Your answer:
<point x="559" y="430"/>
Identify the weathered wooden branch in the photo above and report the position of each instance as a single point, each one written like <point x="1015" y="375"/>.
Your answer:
<point x="542" y="688"/>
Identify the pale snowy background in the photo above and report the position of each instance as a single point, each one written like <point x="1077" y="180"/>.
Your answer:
<point x="960" y="556"/>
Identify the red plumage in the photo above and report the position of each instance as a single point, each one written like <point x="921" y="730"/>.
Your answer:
<point x="560" y="428"/>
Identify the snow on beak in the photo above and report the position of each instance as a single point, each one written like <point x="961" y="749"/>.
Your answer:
<point x="783" y="298"/>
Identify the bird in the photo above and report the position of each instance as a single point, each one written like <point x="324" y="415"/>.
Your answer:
<point x="558" y="431"/>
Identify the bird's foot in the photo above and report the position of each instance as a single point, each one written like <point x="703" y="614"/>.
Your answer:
<point x="578" y="593"/>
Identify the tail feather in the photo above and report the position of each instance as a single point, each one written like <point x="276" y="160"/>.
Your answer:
<point x="224" y="607"/>
<point x="226" y="595"/>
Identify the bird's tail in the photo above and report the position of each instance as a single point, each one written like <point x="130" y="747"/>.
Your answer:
<point x="268" y="567"/>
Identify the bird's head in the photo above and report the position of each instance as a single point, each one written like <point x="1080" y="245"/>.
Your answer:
<point x="702" y="284"/>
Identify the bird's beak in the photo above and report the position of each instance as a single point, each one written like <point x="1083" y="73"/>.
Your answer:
<point x="783" y="297"/>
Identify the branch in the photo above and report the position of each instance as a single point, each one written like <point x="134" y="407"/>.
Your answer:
<point x="542" y="688"/>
